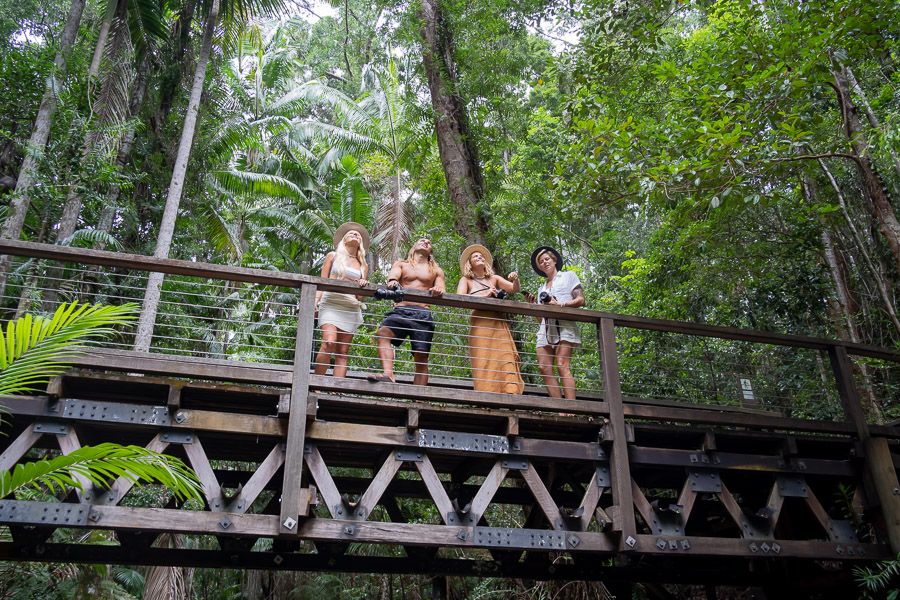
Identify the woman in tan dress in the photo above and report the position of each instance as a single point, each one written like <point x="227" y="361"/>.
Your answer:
<point x="495" y="360"/>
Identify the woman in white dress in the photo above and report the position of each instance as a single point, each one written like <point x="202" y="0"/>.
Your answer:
<point x="340" y="315"/>
<point x="556" y="339"/>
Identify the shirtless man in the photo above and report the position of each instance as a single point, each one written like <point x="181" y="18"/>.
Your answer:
<point x="411" y="320"/>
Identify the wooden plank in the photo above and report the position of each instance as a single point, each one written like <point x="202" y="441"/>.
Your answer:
<point x="643" y="506"/>
<point x="718" y="547"/>
<point x="69" y="443"/>
<point x="123" y="485"/>
<point x="382" y="479"/>
<point x="381" y="435"/>
<point x="881" y="467"/>
<point x="487" y="490"/>
<point x="542" y="496"/>
<point x="187" y="366"/>
<point x="435" y="487"/>
<point x="324" y="383"/>
<point x="775" y="504"/>
<point x="733" y="461"/>
<point x="819" y="513"/>
<point x="212" y="491"/>
<point x="257" y="482"/>
<point x="291" y="508"/>
<point x="589" y="502"/>
<point x="19" y="446"/>
<point x="686" y="500"/>
<point x="324" y="481"/>
<point x="733" y="508"/>
<point x="619" y="464"/>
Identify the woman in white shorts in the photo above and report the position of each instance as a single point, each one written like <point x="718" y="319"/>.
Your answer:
<point x="340" y="315"/>
<point x="556" y="339"/>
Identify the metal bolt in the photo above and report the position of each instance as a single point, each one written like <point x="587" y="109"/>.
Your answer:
<point x="278" y="559"/>
<point x="896" y="491"/>
<point x="630" y="542"/>
<point x="180" y="417"/>
<point x="289" y="523"/>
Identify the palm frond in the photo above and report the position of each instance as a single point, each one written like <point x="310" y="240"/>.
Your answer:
<point x="235" y="181"/>
<point x="101" y="465"/>
<point x="35" y="348"/>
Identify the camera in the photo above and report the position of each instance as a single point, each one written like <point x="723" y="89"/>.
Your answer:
<point x="385" y="293"/>
<point x="501" y="295"/>
<point x="545" y="298"/>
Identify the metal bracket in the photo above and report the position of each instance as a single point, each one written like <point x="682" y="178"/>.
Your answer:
<point x="56" y="428"/>
<point x="409" y="455"/>
<point x="792" y="487"/>
<point x="519" y="464"/>
<point x="178" y="437"/>
<point x="841" y="530"/>
<point x="465" y="442"/>
<point x="705" y="481"/>
<point x="454" y="518"/>
<point x="58" y="514"/>
<point x="603" y="478"/>
<point x="92" y="410"/>
<point x="535" y="539"/>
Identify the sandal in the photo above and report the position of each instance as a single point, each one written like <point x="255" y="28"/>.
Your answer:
<point x="379" y="379"/>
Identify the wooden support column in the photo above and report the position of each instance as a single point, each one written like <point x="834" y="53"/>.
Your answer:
<point x="879" y="465"/>
<point x="291" y="497"/>
<point x="623" y="519"/>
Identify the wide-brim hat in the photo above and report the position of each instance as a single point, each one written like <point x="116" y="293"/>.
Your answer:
<point x="470" y="250"/>
<point x="351" y="226"/>
<point x="540" y="250"/>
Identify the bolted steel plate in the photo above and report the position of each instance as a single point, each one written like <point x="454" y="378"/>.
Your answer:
<point x="705" y="481"/>
<point x="465" y="442"/>
<point x="535" y="539"/>
<point x="92" y="410"/>
<point x="57" y="514"/>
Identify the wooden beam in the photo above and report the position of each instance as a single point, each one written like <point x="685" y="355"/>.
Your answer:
<point x="379" y="483"/>
<point x="619" y="464"/>
<point x="19" y="446"/>
<point x="487" y="490"/>
<point x="212" y="491"/>
<point x="435" y="487"/>
<point x="291" y="506"/>
<point x="257" y="482"/>
<point x="324" y="482"/>
<point x="543" y="497"/>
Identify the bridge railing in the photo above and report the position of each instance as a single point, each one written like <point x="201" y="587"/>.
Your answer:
<point x="250" y="315"/>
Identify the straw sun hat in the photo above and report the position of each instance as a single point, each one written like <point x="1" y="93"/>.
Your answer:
<point x="470" y="250"/>
<point x="351" y="226"/>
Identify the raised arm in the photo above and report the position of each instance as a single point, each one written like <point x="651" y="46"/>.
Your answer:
<point x="510" y="285"/>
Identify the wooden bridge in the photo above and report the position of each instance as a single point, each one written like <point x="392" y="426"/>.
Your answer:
<point x="724" y="484"/>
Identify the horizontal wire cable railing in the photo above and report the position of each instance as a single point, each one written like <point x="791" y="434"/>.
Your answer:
<point x="256" y="322"/>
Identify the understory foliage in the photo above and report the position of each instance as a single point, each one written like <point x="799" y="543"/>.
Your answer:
<point x="729" y="162"/>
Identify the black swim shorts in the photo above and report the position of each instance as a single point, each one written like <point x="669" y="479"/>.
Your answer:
<point x="411" y="322"/>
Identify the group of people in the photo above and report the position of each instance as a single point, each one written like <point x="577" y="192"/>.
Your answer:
<point x="493" y="354"/>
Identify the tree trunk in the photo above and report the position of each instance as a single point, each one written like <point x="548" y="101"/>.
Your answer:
<point x="877" y="276"/>
<point x="843" y="306"/>
<point x="168" y="583"/>
<point x="879" y="203"/>
<point x="100" y="47"/>
<point x="167" y="226"/>
<point x="871" y="117"/>
<point x="21" y="200"/>
<point x="459" y="158"/>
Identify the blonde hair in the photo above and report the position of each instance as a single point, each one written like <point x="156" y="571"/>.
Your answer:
<point x="432" y="264"/>
<point x="467" y="268"/>
<point x="342" y="255"/>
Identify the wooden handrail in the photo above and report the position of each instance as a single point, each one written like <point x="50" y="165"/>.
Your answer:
<point x="261" y="276"/>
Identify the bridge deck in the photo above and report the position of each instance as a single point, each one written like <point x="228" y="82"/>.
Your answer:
<point x="316" y="473"/>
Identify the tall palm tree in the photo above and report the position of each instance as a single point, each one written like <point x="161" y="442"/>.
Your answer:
<point x="378" y="122"/>
<point x="234" y="13"/>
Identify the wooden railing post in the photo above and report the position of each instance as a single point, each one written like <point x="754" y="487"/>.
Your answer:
<point x="880" y="469"/>
<point x="291" y="496"/>
<point x="623" y="518"/>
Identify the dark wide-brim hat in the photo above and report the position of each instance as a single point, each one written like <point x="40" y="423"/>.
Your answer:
<point x="540" y="250"/>
<point x="470" y="250"/>
<point x="351" y="226"/>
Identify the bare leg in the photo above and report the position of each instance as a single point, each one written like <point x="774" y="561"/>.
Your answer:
<point x="384" y="335"/>
<point x="341" y="349"/>
<point x="421" y="360"/>
<point x="563" y="365"/>
<point x="326" y="349"/>
<point x="545" y="364"/>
